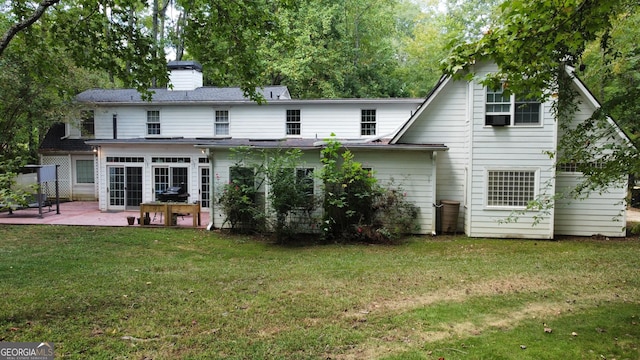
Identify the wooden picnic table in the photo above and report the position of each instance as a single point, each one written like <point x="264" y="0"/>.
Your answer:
<point x="170" y="208"/>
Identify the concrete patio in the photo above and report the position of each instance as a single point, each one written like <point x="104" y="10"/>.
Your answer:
<point x="87" y="213"/>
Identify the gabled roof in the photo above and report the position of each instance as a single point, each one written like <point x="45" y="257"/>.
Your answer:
<point x="199" y="95"/>
<point x="594" y="102"/>
<point x="55" y="141"/>
<point x="444" y="80"/>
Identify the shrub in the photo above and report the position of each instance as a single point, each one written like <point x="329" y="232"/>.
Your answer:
<point x="238" y="202"/>
<point x="290" y="194"/>
<point x="395" y="216"/>
<point x="349" y="191"/>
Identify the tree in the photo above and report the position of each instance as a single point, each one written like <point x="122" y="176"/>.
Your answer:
<point x="33" y="97"/>
<point x="612" y="70"/>
<point x="335" y="49"/>
<point x="25" y="21"/>
<point x="422" y="45"/>
<point x="533" y="43"/>
<point x="224" y="36"/>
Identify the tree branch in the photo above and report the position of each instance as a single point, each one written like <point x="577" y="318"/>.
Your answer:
<point x="15" y="29"/>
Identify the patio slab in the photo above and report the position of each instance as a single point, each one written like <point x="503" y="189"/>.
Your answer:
<point x="87" y="213"/>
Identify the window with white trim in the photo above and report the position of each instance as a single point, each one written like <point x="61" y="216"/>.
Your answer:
<point x="222" y="122"/>
<point x="87" y="124"/>
<point x="501" y="109"/>
<point x="510" y="188"/>
<point x="367" y="122"/>
<point x="153" y="122"/>
<point x="165" y="177"/>
<point x="84" y="172"/>
<point x="293" y="122"/>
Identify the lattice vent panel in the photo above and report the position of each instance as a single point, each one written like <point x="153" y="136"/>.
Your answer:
<point x="64" y="176"/>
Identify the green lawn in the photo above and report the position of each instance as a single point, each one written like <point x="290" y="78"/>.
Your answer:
<point x="132" y="293"/>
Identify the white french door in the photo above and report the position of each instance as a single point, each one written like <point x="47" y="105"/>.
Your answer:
<point x="125" y="187"/>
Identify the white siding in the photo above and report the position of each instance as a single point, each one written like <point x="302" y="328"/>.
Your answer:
<point x="85" y="192"/>
<point x="509" y="147"/>
<point x="222" y="161"/>
<point x="445" y="122"/>
<point x="147" y="152"/>
<point x="600" y="213"/>
<point x="410" y="171"/>
<point x="185" y="79"/>
<point x="251" y="121"/>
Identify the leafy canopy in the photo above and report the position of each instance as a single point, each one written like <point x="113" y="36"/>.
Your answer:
<point x="531" y="41"/>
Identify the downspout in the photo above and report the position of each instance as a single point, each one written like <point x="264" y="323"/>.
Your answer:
<point x="434" y="209"/>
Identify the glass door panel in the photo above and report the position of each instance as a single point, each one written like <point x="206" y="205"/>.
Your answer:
<point x="116" y="187"/>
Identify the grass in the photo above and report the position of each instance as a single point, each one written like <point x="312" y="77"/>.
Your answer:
<point x="123" y="293"/>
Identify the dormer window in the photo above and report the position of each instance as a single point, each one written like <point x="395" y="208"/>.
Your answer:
<point x="503" y="110"/>
<point x="153" y="122"/>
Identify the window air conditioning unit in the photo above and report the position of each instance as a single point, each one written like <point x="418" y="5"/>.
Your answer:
<point x="497" y="120"/>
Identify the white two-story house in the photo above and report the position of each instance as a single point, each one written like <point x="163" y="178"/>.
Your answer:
<point x="463" y="143"/>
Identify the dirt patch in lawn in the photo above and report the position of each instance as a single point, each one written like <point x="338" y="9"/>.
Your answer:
<point x="398" y="340"/>
<point x="494" y="287"/>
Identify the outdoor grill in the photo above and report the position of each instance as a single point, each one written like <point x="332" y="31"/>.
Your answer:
<point x="173" y="194"/>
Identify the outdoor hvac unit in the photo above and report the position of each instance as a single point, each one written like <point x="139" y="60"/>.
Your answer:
<point x="497" y="120"/>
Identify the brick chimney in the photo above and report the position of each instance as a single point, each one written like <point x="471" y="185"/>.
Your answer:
<point x="185" y="75"/>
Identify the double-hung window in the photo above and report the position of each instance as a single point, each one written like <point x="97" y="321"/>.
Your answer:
<point x="87" y="124"/>
<point x="153" y="122"/>
<point x="293" y="122"/>
<point x="367" y="122"/>
<point x="222" y="122"/>
<point x="514" y="110"/>
<point x="511" y="188"/>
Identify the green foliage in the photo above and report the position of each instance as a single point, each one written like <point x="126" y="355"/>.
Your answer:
<point x="224" y="36"/>
<point x="34" y="96"/>
<point x="532" y="41"/>
<point x="335" y="49"/>
<point x="394" y="215"/>
<point x="290" y="194"/>
<point x="9" y="194"/>
<point x="163" y="293"/>
<point x="356" y="207"/>
<point x="349" y="192"/>
<point x="239" y="197"/>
